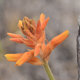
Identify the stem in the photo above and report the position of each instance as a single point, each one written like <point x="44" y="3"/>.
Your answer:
<point x="48" y="71"/>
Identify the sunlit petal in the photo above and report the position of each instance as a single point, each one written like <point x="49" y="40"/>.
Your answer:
<point x="13" y="57"/>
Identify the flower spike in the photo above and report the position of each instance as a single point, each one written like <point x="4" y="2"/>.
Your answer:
<point x="35" y="39"/>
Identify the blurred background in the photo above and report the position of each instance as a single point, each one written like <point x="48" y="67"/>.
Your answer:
<point x="63" y="16"/>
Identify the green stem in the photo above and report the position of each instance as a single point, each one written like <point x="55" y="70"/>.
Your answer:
<point x="48" y="71"/>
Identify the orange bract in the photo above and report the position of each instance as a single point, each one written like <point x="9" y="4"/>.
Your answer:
<point x="35" y="39"/>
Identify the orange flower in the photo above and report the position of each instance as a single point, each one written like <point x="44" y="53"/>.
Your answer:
<point x="35" y="38"/>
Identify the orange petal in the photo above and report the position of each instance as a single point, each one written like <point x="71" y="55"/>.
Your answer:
<point x="29" y="34"/>
<point x="33" y="22"/>
<point x="38" y="30"/>
<point x="60" y="38"/>
<point x="18" y="40"/>
<point x="47" y="51"/>
<point x="42" y="38"/>
<point x="42" y="18"/>
<point x="44" y="23"/>
<point x="20" y="24"/>
<point x="43" y="46"/>
<point x="55" y="42"/>
<point x="35" y="61"/>
<point x="13" y="57"/>
<point x="37" y="49"/>
<point x="25" y="58"/>
<point x="29" y="43"/>
<point x="14" y="35"/>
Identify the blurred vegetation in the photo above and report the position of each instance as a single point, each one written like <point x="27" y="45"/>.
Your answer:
<point x="2" y="52"/>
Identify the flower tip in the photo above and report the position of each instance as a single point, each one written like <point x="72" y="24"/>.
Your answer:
<point x="42" y="18"/>
<point x="6" y="56"/>
<point x="9" y="34"/>
<point x="42" y="14"/>
<point x="12" y="39"/>
<point x="20" y="23"/>
<point x="48" y="18"/>
<point x="17" y="65"/>
<point x="67" y="32"/>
